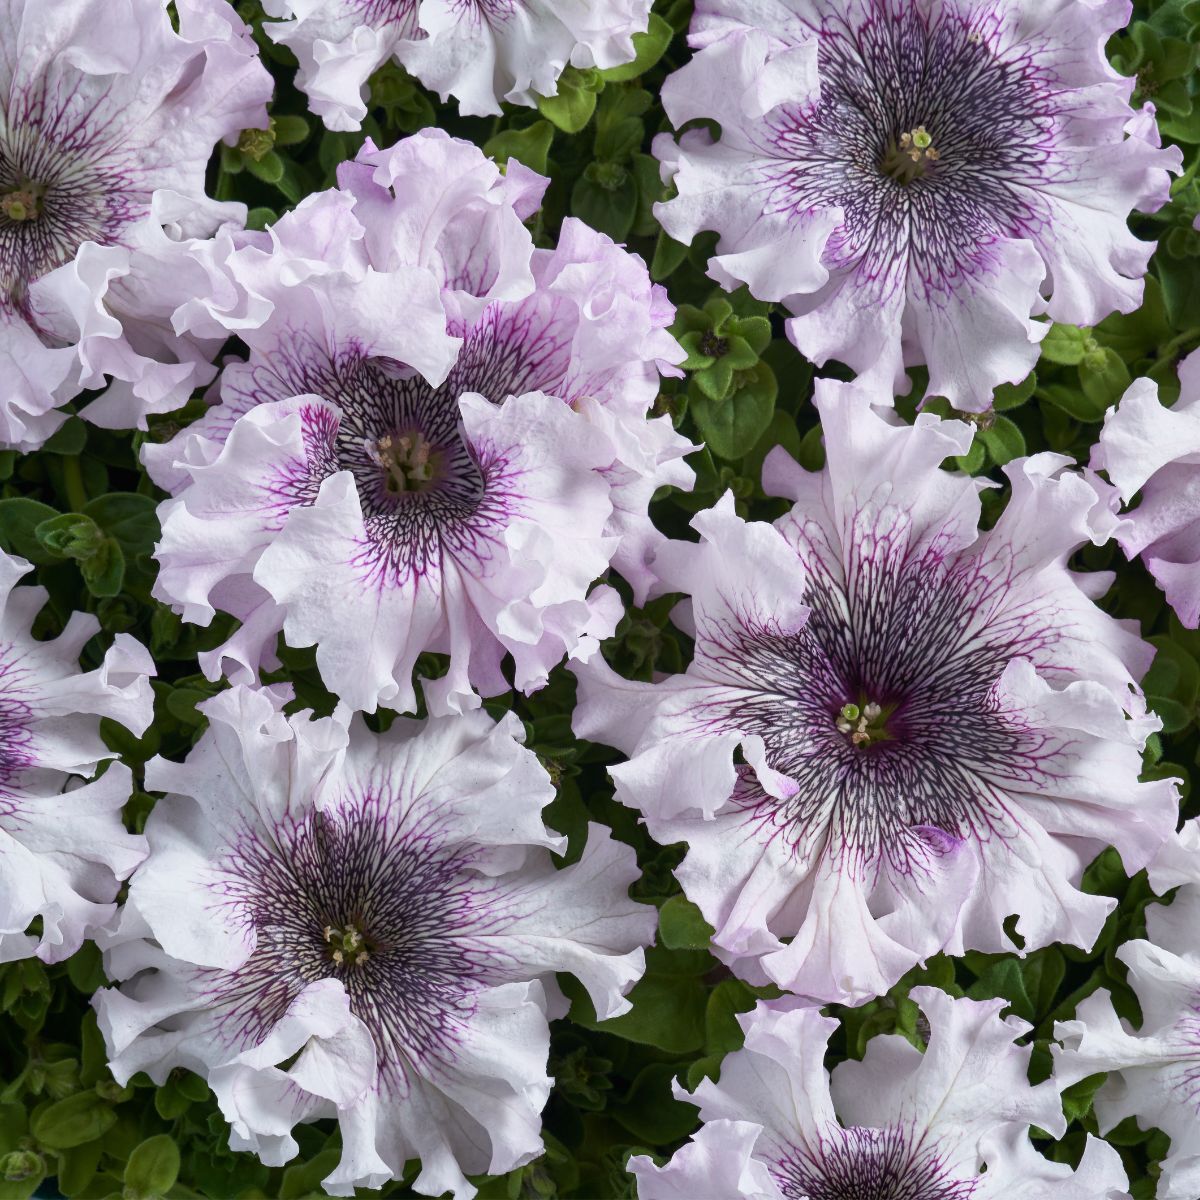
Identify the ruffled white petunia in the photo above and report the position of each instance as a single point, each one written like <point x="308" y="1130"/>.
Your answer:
<point x="916" y="179"/>
<point x="1154" y="1070"/>
<point x="108" y="118"/>
<point x="63" y="849"/>
<point x="1149" y="449"/>
<point x="439" y="439"/>
<point x="481" y="52"/>
<point x="332" y="923"/>
<point x="896" y="730"/>
<point x="951" y="1123"/>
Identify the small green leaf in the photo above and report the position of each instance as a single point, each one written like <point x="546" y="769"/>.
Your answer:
<point x="1013" y="395"/>
<point x="648" y="48"/>
<point x="1002" y="440"/>
<point x="70" y="438"/>
<point x="269" y="168"/>
<point x="19" y="520"/>
<point x="681" y="925"/>
<point x="1065" y="345"/>
<point x="104" y="570"/>
<point x="152" y="1168"/>
<point x="1104" y="377"/>
<point x="73" y="1121"/>
<point x="571" y="109"/>
<point x="530" y="146"/>
<point x="732" y="426"/>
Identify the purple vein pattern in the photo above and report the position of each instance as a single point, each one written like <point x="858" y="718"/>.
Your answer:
<point x="895" y="728"/>
<point x="63" y="847"/>
<point x="332" y="923"/>
<point x="108" y="118"/>
<point x="449" y="479"/>
<point x="916" y="179"/>
<point x="949" y="1123"/>
<point x="481" y="52"/>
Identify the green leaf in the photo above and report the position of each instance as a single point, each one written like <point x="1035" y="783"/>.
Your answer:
<point x="650" y="1112"/>
<point x="668" y="254"/>
<point x="269" y="168"/>
<point x="130" y="518"/>
<point x="19" y="520"/>
<point x="1074" y="401"/>
<point x="972" y="461"/>
<point x="1013" y="395"/>
<point x="681" y="925"/>
<point x="73" y="1121"/>
<point x="304" y="1179"/>
<point x="1004" y="980"/>
<point x="571" y="109"/>
<point x="530" y="146"/>
<point x="70" y="438"/>
<point x="1104" y="377"/>
<point x="722" y="1031"/>
<point x="1002" y="440"/>
<point x="605" y="198"/>
<point x="152" y="1168"/>
<point x="1078" y="1098"/>
<point x="648" y="48"/>
<point x="732" y="426"/>
<point x="71" y="535"/>
<point x="1065" y="345"/>
<point x="104" y="570"/>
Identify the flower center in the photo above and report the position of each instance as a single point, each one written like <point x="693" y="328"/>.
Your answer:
<point x="409" y="462"/>
<point x="23" y="203"/>
<point x="347" y="946"/>
<point x="862" y="724"/>
<point x="909" y="157"/>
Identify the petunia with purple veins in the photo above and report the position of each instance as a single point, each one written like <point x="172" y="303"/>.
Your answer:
<point x="897" y="731"/>
<point x="916" y="179"/>
<point x="332" y="923"/>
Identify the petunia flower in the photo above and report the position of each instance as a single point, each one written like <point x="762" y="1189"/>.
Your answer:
<point x="949" y="1123"/>
<point x="481" y="52"/>
<point x="336" y="924"/>
<point x="63" y="849"/>
<point x="437" y="443"/>
<point x="897" y="730"/>
<point x="1149" y="449"/>
<point x="108" y="118"/>
<point x="916" y="179"/>
<point x="1153" y="1070"/>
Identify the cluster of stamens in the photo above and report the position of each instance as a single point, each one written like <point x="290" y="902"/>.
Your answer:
<point x="861" y="725"/>
<point x="912" y="154"/>
<point x="347" y="946"/>
<point x="408" y="461"/>
<point x="22" y="204"/>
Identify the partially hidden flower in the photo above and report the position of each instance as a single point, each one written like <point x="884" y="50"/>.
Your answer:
<point x="1153" y="1070"/>
<point x="63" y="848"/>
<point x="949" y="1123"/>
<point x="916" y="179"/>
<point x="481" y="52"/>
<point x="439" y="439"/>
<point x="108" y="118"/>
<point x="1148" y="449"/>
<point x="336" y="924"/>
<point x="897" y="730"/>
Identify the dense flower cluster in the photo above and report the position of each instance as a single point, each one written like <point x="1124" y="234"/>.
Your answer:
<point x="480" y="728"/>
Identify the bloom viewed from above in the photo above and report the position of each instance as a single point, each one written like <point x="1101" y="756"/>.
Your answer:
<point x="335" y="924"/>
<point x="1154" y="1070"/>
<point x="951" y="1123"/>
<point x="915" y="179"/>
<point x="437" y="443"/>
<point x="937" y="726"/>
<point x="1148" y="448"/>
<point x="63" y="849"/>
<point x="481" y="52"/>
<point x="107" y="120"/>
